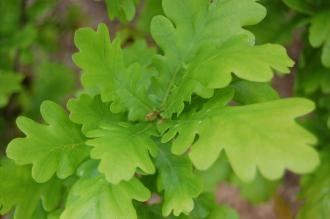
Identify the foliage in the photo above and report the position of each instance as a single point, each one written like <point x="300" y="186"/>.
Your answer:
<point x="313" y="75"/>
<point x="28" y="72"/>
<point x="166" y="119"/>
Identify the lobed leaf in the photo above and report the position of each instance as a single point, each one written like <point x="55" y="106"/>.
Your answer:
<point x="122" y="149"/>
<point x="93" y="197"/>
<point x="104" y="69"/>
<point x="179" y="183"/>
<point x="200" y="56"/>
<point x="20" y="192"/>
<point x="262" y="135"/>
<point x="91" y="112"/>
<point x="319" y="34"/>
<point x="58" y="147"/>
<point x="121" y="9"/>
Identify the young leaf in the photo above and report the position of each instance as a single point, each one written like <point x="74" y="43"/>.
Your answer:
<point x="9" y="83"/>
<point x="122" y="149"/>
<point x="262" y="135"/>
<point x="94" y="197"/>
<point x="319" y="34"/>
<point x="104" y="68"/>
<point x="122" y="9"/>
<point x="18" y="190"/>
<point x="199" y="56"/>
<point x="58" y="147"/>
<point x="179" y="183"/>
<point x="90" y="112"/>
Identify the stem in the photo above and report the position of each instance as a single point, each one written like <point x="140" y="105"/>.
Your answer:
<point x="169" y="88"/>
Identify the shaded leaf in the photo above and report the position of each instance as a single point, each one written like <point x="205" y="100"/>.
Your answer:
<point x="316" y="191"/>
<point x="180" y="184"/>
<point x="92" y="197"/>
<point x="10" y="82"/>
<point x="319" y="34"/>
<point x="18" y="190"/>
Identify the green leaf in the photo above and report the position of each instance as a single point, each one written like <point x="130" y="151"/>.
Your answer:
<point x="199" y="56"/>
<point x="325" y="57"/>
<point x="301" y="6"/>
<point x="92" y="197"/>
<point x="316" y="191"/>
<point x="122" y="9"/>
<point x="257" y="191"/>
<point x="313" y="77"/>
<point x="90" y="112"/>
<point x="10" y="82"/>
<point x="264" y="136"/>
<point x="58" y="147"/>
<point x="319" y="34"/>
<point x="318" y="79"/>
<point x="18" y="190"/>
<point x="180" y="184"/>
<point x="52" y="82"/>
<point x="39" y="8"/>
<point x="150" y="9"/>
<point x="10" y="16"/>
<point x="139" y="52"/>
<point x="247" y="92"/>
<point x="278" y="19"/>
<point x="223" y="212"/>
<point x="104" y="69"/>
<point x="117" y="162"/>
<point x="206" y="207"/>
<point x="218" y="172"/>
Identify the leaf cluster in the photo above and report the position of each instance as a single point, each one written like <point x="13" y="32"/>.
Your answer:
<point x="311" y="22"/>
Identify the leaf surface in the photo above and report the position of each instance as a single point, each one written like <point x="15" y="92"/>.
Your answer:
<point x="121" y="9"/>
<point x="122" y="149"/>
<point x="91" y="112"/>
<point x="18" y="190"/>
<point x="9" y="83"/>
<point x="319" y="34"/>
<point x="199" y="56"/>
<point x="299" y="5"/>
<point x="316" y="191"/>
<point x="92" y="197"/>
<point x="104" y="69"/>
<point x="179" y="183"/>
<point x="250" y="136"/>
<point x="58" y="147"/>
